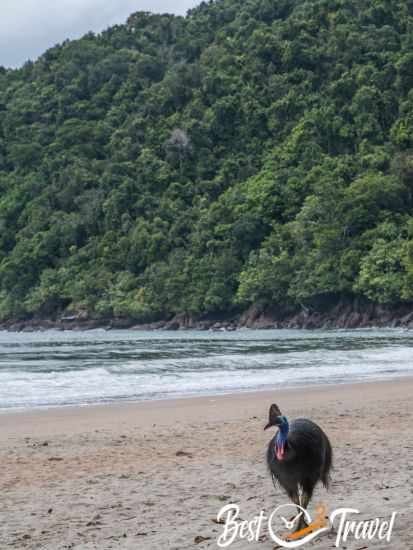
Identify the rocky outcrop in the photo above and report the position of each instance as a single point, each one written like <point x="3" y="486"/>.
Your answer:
<point x="342" y="316"/>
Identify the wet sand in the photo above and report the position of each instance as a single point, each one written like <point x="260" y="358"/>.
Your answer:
<point x="154" y="475"/>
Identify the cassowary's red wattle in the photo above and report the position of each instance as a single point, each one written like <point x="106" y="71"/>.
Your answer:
<point x="279" y="451"/>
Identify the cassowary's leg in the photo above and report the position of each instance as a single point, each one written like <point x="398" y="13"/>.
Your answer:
<point x="307" y="493"/>
<point x="295" y="498"/>
<point x="306" y="497"/>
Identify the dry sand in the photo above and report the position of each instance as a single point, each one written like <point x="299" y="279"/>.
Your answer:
<point x="154" y="475"/>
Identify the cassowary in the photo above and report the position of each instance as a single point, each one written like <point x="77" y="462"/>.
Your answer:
<point x="298" y="456"/>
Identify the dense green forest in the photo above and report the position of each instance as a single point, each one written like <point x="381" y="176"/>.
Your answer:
<point x="252" y="152"/>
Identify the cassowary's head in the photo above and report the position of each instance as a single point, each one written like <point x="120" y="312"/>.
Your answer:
<point x="276" y="418"/>
<point x="279" y="420"/>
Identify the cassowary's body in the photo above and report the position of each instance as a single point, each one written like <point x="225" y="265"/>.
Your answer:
<point x="298" y="456"/>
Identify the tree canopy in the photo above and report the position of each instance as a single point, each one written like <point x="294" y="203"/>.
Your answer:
<point x="252" y="152"/>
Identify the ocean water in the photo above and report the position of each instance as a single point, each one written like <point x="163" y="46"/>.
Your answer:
<point x="54" y="368"/>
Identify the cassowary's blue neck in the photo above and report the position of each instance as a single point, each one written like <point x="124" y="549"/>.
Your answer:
<point x="281" y="439"/>
<point x="282" y="433"/>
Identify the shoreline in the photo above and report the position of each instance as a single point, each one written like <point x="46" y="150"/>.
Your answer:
<point x="116" y="411"/>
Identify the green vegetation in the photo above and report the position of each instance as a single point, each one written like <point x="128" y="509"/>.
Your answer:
<point x="254" y="152"/>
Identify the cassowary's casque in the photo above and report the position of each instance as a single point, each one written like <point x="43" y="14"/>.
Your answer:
<point x="298" y="456"/>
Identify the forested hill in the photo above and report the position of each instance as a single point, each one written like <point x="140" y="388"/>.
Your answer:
<point x="253" y="152"/>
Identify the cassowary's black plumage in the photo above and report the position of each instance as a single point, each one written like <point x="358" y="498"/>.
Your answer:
<point x="305" y="460"/>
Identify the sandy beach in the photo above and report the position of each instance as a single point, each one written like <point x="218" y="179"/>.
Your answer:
<point x="154" y="475"/>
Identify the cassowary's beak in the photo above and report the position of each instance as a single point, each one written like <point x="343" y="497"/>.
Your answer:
<point x="276" y="422"/>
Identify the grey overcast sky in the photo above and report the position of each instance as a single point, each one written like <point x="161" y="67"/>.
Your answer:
<point x="29" y="27"/>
